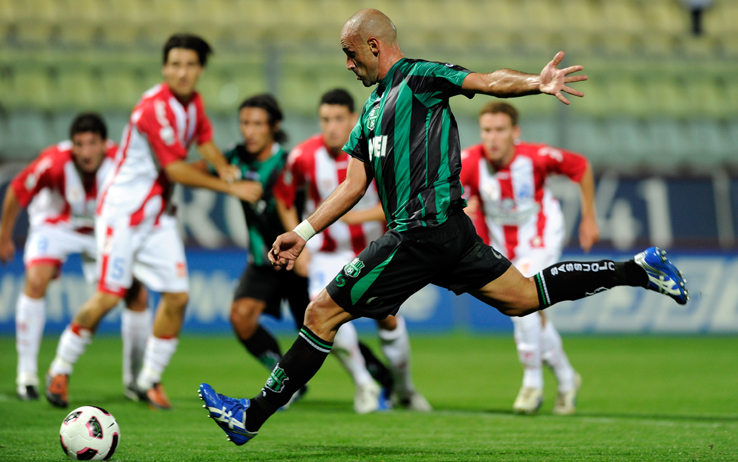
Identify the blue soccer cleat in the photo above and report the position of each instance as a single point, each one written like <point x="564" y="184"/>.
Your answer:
<point x="663" y="276"/>
<point x="229" y="413"/>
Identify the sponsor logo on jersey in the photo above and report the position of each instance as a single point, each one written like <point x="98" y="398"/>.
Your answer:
<point x="377" y="147"/>
<point x="353" y="269"/>
<point x="167" y="135"/>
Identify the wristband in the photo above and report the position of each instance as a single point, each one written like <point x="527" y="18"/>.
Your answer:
<point x="305" y="230"/>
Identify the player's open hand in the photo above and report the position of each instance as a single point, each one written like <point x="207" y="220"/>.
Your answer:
<point x="285" y="250"/>
<point x="554" y="81"/>
<point x="249" y="191"/>
<point x="589" y="233"/>
<point x="7" y="251"/>
<point x="229" y="173"/>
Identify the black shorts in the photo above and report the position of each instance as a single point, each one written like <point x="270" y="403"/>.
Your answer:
<point x="397" y="265"/>
<point x="271" y="286"/>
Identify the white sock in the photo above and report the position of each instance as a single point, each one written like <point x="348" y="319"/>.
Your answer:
<point x="71" y="347"/>
<point x="528" y="342"/>
<point x="554" y="356"/>
<point x="396" y="348"/>
<point x="30" y="317"/>
<point x="346" y="350"/>
<point x="159" y="352"/>
<point x="135" y="329"/>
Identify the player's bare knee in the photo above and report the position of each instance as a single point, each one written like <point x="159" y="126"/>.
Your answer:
<point x="244" y="318"/>
<point x="36" y="286"/>
<point x="175" y="303"/>
<point x="37" y="280"/>
<point x="388" y="323"/>
<point x="323" y="316"/>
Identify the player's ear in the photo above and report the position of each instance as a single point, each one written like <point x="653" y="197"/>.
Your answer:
<point x="373" y="45"/>
<point x="516" y="132"/>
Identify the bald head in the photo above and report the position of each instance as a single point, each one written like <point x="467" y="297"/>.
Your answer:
<point x="369" y="40"/>
<point x="370" y="23"/>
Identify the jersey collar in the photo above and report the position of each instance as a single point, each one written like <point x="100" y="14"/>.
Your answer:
<point x="387" y="80"/>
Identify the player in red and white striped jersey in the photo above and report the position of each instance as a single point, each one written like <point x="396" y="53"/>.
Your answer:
<point x="319" y="165"/>
<point x="136" y="227"/>
<point x="60" y="190"/>
<point x="515" y="212"/>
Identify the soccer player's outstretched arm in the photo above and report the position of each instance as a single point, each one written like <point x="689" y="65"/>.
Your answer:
<point x="507" y="83"/>
<point x="589" y="232"/>
<point x="210" y="152"/>
<point x="10" y="214"/>
<point x="288" y="246"/>
<point x="180" y="171"/>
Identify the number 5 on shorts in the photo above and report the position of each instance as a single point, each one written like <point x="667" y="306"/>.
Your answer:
<point x="117" y="266"/>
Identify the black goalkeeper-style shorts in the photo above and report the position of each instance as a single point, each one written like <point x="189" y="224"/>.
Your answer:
<point x="271" y="286"/>
<point x="397" y="265"/>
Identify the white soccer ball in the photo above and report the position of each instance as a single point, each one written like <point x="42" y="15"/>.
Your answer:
<point x="89" y="433"/>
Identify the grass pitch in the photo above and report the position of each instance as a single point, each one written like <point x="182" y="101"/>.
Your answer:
<point x="643" y="398"/>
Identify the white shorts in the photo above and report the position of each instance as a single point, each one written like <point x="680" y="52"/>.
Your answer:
<point x="323" y="267"/>
<point x="154" y="254"/>
<point x="51" y="244"/>
<point x="537" y="259"/>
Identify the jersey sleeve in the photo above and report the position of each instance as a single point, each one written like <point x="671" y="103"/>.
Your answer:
<point x="32" y="179"/>
<point x="433" y="82"/>
<point x="291" y="179"/>
<point x="158" y="127"/>
<point x="357" y="145"/>
<point x="562" y="162"/>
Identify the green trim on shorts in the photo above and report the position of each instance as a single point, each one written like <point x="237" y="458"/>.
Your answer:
<point x="363" y="284"/>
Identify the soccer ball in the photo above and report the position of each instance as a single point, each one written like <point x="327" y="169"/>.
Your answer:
<point x="89" y="433"/>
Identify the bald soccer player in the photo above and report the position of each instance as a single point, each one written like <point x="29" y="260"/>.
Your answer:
<point x="407" y="140"/>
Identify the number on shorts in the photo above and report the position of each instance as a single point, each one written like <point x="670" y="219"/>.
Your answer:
<point x="118" y="265"/>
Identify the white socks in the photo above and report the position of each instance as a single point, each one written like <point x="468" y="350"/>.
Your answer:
<point x="396" y="348"/>
<point x="30" y="317"/>
<point x="71" y="346"/>
<point x="346" y="349"/>
<point x="159" y="352"/>
<point x="554" y="357"/>
<point x="537" y="344"/>
<point x="135" y="329"/>
<point x="528" y="342"/>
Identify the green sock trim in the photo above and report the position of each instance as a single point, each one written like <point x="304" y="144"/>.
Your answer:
<point x="313" y="338"/>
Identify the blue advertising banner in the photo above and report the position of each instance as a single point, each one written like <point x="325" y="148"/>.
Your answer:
<point x="214" y="273"/>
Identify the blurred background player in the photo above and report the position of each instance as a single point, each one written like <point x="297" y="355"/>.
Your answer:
<point x="260" y="160"/>
<point x="60" y="190"/>
<point x="515" y="212"/>
<point x="319" y="165"/>
<point x="136" y="227"/>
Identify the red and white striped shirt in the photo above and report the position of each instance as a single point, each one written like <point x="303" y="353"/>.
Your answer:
<point x="517" y="209"/>
<point x="55" y="192"/>
<point x="159" y="132"/>
<point x="309" y="164"/>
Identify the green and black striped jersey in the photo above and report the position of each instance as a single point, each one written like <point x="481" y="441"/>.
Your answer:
<point x="409" y="136"/>
<point x="262" y="218"/>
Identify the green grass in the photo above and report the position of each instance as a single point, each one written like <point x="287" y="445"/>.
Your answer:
<point x="643" y="398"/>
